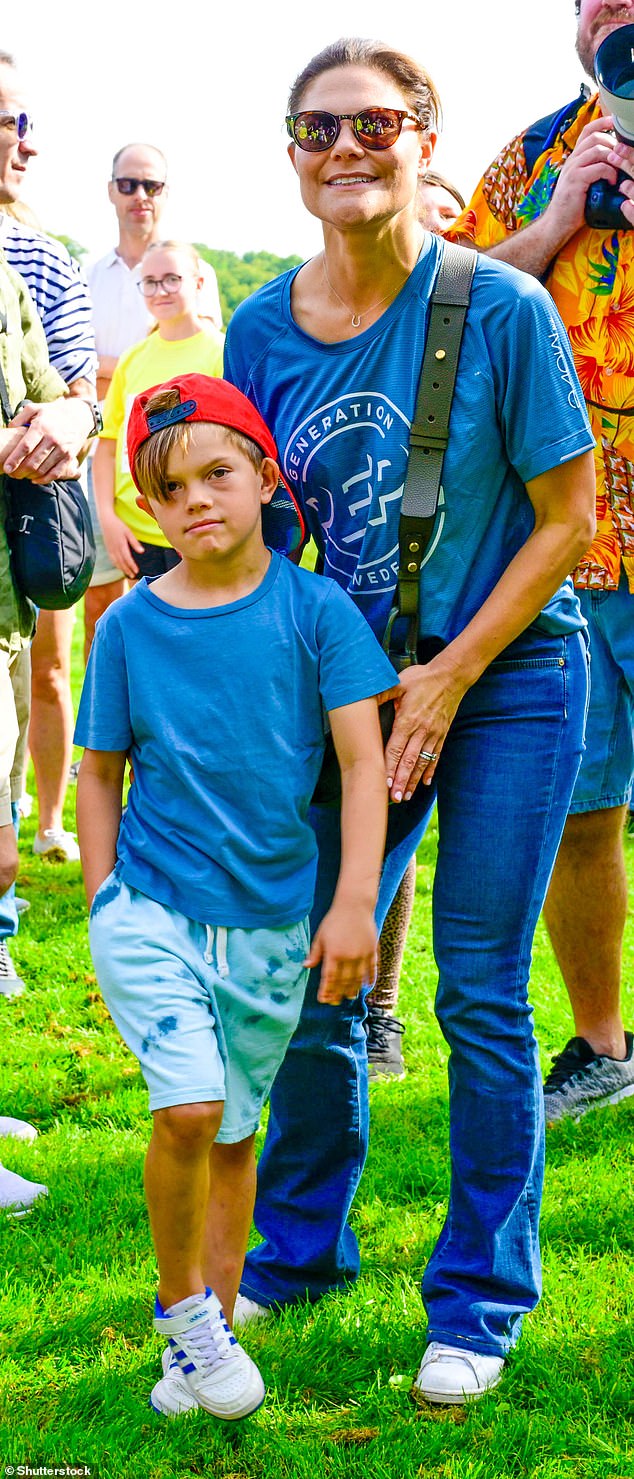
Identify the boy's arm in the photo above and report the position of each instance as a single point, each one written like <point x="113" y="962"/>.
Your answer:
<point x="345" y="942"/>
<point x="99" y="808"/>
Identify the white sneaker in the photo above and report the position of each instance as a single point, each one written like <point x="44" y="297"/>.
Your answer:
<point x="19" y="1129"/>
<point x="214" y="1369"/>
<point x="56" y="845"/>
<point x="452" y="1374"/>
<point x="17" y="1195"/>
<point x="25" y="805"/>
<point x="179" y="1394"/>
<point x="246" y="1310"/>
<point x="11" y="984"/>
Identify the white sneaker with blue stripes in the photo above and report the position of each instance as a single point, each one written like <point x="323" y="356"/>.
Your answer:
<point x="204" y="1366"/>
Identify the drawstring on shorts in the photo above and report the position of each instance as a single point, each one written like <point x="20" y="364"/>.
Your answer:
<point x="217" y="935"/>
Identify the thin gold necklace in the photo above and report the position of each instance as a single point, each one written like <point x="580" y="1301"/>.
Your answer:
<point x="355" y="317"/>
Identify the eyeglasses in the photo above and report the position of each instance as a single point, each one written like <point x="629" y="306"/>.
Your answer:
<point x="375" y="128"/>
<point x="127" y="185"/>
<point x="149" y="286"/>
<point x="22" y="122"/>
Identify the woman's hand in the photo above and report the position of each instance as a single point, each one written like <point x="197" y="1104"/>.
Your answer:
<point x="427" y="701"/>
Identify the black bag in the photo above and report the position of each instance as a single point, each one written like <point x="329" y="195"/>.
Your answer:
<point x="51" y="541"/>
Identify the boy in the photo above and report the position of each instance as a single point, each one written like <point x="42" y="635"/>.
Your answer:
<point x="214" y="678"/>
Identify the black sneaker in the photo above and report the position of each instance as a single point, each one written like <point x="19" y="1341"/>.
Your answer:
<point x="384" y="1035"/>
<point x="581" y="1079"/>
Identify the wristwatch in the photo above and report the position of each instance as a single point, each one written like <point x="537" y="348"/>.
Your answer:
<point x="97" y="418"/>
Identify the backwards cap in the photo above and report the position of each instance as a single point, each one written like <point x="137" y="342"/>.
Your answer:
<point x="206" y="398"/>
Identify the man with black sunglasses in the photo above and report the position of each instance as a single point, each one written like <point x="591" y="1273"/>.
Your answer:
<point x="138" y="190"/>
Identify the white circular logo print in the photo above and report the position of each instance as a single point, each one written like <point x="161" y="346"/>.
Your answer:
<point x="347" y="462"/>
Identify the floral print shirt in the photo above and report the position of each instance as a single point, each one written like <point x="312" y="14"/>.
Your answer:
<point x="592" y="282"/>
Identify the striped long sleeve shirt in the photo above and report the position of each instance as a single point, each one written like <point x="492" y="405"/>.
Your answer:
<point x="61" y="296"/>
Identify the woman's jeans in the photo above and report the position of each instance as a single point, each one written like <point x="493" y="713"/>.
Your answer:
<point x="503" y="785"/>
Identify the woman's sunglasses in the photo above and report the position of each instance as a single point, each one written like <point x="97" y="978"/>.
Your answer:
<point x="375" y="128"/>
<point x="127" y="185"/>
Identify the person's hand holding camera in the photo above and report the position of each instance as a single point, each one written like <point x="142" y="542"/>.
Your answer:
<point x="596" y="156"/>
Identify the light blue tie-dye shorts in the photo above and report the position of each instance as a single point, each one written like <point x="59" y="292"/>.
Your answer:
<point x="208" y="1012"/>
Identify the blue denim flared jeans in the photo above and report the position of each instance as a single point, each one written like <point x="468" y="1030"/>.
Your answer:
<point x="503" y="786"/>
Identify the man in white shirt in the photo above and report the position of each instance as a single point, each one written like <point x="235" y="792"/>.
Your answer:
<point x="138" y="191"/>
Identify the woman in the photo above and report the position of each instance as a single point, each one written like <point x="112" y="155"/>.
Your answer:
<point x="492" y="724"/>
<point x="181" y="340"/>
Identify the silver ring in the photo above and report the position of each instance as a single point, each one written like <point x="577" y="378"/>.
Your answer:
<point x="428" y="755"/>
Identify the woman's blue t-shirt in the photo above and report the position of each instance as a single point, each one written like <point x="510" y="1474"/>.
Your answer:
<point x="341" y="413"/>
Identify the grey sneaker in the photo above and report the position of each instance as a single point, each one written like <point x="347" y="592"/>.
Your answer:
<point x="17" y="1195"/>
<point x="581" y="1079"/>
<point x="19" y="1129"/>
<point x="384" y="1033"/>
<point x="11" y="983"/>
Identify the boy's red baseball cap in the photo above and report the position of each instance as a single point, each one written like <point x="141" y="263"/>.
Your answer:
<point x="206" y="398"/>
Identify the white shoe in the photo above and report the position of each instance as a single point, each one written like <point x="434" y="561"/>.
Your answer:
<point x="216" y="1371"/>
<point x="56" y="845"/>
<point x="11" y="984"/>
<point x="174" y="1388"/>
<point x="246" y="1310"/>
<point x="25" y="805"/>
<point x="17" y="1195"/>
<point x="19" y="1129"/>
<point x="452" y="1374"/>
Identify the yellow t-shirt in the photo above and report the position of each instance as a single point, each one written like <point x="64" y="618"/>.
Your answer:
<point x="150" y="363"/>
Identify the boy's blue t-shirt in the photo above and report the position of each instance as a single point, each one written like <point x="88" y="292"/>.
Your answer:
<point x="222" y="710"/>
<point x="341" y="413"/>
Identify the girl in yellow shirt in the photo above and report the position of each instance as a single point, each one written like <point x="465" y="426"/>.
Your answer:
<point x="181" y="342"/>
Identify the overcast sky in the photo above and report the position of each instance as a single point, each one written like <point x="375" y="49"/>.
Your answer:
<point x="208" y="84"/>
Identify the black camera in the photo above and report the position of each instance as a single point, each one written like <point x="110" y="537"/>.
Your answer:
<point x="603" y="207"/>
<point x="614" y="71"/>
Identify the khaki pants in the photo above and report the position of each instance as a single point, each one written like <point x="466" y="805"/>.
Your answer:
<point x="15" y="692"/>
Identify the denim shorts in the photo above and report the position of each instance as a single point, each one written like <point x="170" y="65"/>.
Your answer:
<point x="208" y="1012"/>
<point x="607" y="767"/>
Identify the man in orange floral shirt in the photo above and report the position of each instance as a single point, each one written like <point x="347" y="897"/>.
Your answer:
<point x="529" y="210"/>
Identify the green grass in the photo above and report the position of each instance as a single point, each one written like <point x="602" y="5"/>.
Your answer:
<point x="77" y="1280"/>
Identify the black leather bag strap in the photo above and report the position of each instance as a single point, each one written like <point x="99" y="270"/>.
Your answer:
<point x="429" y="433"/>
